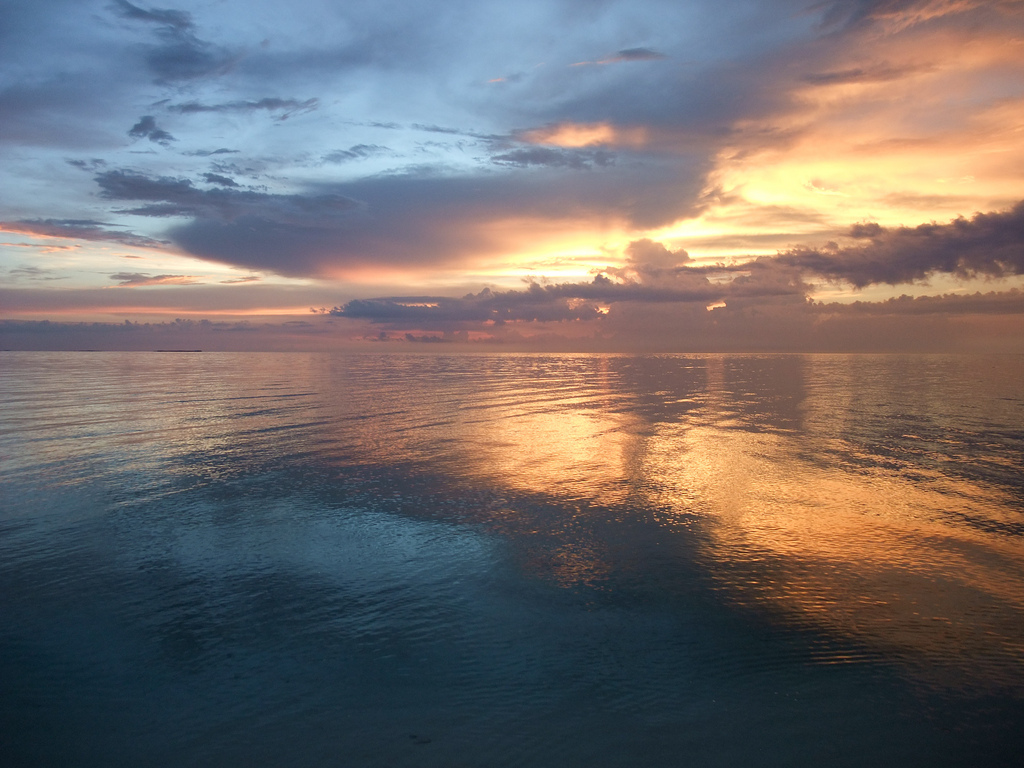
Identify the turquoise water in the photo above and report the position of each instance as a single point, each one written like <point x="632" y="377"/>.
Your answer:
<point x="509" y="560"/>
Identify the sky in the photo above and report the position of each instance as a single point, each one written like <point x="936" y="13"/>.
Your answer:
<point x="712" y="175"/>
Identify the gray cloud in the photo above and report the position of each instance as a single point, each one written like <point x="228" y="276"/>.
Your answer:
<point x="898" y="14"/>
<point x="626" y="54"/>
<point x="60" y="110"/>
<point x="224" y="181"/>
<point x="147" y="128"/>
<point x="284" y="108"/>
<point x="992" y="303"/>
<point x="210" y="152"/>
<point x="356" y="152"/>
<point x="180" y="55"/>
<point x="79" y="229"/>
<point x="177" y="197"/>
<point x="637" y="54"/>
<point x="874" y="74"/>
<point x="649" y="254"/>
<point x="240" y="280"/>
<point x="989" y="244"/>
<point x="422" y="218"/>
<point x="553" y="303"/>
<point x="138" y="279"/>
<point x="453" y="131"/>
<point x="178" y="20"/>
<point x="578" y="159"/>
<point x="33" y="273"/>
<point x="93" y="164"/>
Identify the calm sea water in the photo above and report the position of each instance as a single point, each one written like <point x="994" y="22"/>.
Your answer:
<point x="514" y="560"/>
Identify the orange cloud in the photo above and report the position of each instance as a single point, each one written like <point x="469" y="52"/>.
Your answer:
<point x="576" y="135"/>
<point x="137" y="279"/>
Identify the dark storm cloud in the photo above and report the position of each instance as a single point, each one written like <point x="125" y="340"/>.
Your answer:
<point x="989" y="244"/>
<point x="284" y="108"/>
<point x="180" y="54"/>
<point x="147" y="128"/>
<point x="578" y="159"/>
<point x="79" y="229"/>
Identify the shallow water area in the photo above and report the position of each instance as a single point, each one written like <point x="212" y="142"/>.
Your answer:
<point x="487" y="560"/>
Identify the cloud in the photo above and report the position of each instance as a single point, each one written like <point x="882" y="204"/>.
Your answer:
<point x="650" y="262"/>
<point x="92" y="165"/>
<point x="574" y="135"/>
<point x="224" y="181"/>
<point x="240" y="280"/>
<point x="43" y="247"/>
<point x="553" y="158"/>
<point x="181" y="55"/>
<point x="166" y="196"/>
<point x="646" y="253"/>
<point x="138" y="279"/>
<point x="626" y="54"/>
<point x="421" y="219"/>
<point x="988" y="244"/>
<point x="871" y="74"/>
<point x="355" y="152"/>
<point x="560" y="302"/>
<point x="992" y="303"/>
<point x="78" y="229"/>
<point x="608" y="316"/>
<point x="636" y="54"/>
<point x="284" y="108"/>
<point x="178" y="20"/>
<point x="33" y="273"/>
<point x="452" y="131"/>
<point x="210" y="152"/>
<point x="896" y="15"/>
<point x="65" y="110"/>
<point x="146" y="128"/>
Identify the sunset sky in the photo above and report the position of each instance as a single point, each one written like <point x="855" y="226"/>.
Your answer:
<point x="584" y="174"/>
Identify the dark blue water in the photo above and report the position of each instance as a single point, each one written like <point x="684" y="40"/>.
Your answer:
<point x="401" y="560"/>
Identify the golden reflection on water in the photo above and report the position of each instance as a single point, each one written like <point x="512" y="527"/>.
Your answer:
<point x="901" y="558"/>
<point x="542" y="452"/>
<point x="872" y="556"/>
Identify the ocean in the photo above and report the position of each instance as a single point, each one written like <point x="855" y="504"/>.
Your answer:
<point x="388" y="559"/>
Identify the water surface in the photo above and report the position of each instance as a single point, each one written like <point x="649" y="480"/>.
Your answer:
<point x="507" y="560"/>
